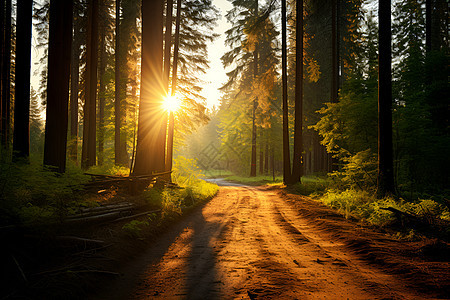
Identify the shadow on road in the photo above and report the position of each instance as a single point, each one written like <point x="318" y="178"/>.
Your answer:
<point x="201" y="277"/>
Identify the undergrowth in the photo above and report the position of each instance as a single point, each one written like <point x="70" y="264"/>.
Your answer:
<point x="257" y="180"/>
<point x="192" y="192"/>
<point x="32" y="194"/>
<point x="364" y="205"/>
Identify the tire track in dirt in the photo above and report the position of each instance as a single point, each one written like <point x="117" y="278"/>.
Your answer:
<point x="250" y="243"/>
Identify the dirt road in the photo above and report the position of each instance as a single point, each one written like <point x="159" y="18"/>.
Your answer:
<point x="255" y="243"/>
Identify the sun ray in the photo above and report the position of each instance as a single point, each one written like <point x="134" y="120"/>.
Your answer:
<point x="171" y="103"/>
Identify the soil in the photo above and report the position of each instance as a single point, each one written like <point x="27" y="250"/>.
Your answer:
<point x="262" y="243"/>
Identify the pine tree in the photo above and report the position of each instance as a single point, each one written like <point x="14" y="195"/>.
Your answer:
<point x="5" y="73"/>
<point x="150" y="147"/>
<point x="21" y="135"/>
<point x="286" y="153"/>
<point x="105" y="29"/>
<point x="60" y="29"/>
<point x="298" y="130"/>
<point x="385" y="149"/>
<point x="36" y="124"/>
<point x="88" y="154"/>
<point x="78" y="20"/>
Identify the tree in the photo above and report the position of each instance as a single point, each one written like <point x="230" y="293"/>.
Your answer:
<point x="171" y="125"/>
<point x="118" y="155"/>
<point x="75" y="81"/>
<point x="5" y="40"/>
<point x="88" y="154"/>
<point x="150" y="144"/>
<point x="286" y="152"/>
<point x="21" y="135"/>
<point x="106" y="22"/>
<point x="60" y="44"/>
<point x="255" y="99"/>
<point x="334" y="63"/>
<point x="298" y="130"/>
<point x="36" y="124"/>
<point x="385" y="184"/>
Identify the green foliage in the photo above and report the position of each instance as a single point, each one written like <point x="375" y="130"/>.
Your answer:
<point x="185" y="171"/>
<point x="311" y="186"/>
<point x="134" y="228"/>
<point x="193" y="191"/>
<point x="358" y="171"/>
<point x="110" y="169"/>
<point x="349" y="128"/>
<point x="364" y="205"/>
<point x="257" y="180"/>
<point x="29" y="192"/>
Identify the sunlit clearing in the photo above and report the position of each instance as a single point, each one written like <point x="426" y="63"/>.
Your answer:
<point x="172" y="103"/>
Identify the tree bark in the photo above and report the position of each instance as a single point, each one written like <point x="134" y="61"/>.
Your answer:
<point x="166" y="71"/>
<point x="255" y="105"/>
<point x="266" y="159"/>
<point x="74" y="86"/>
<point x="297" y="168"/>
<point x="117" y="92"/>
<point x="21" y="135"/>
<point x="261" y="161"/>
<point x="170" y="133"/>
<point x="150" y="144"/>
<point x="167" y="44"/>
<point x="101" y="92"/>
<point x="60" y="44"/>
<point x="2" y="61"/>
<point x="428" y="22"/>
<point x="385" y="155"/>
<point x="88" y="156"/>
<point x="286" y="153"/>
<point x="332" y="162"/>
<point x="5" y="108"/>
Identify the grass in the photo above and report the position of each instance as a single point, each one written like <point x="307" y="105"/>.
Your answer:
<point x="365" y="206"/>
<point x="257" y="180"/>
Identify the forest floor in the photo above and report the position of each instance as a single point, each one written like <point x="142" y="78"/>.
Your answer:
<point x="263" y="243"/>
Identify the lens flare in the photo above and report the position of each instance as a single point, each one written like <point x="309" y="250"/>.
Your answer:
<point x="171" y="103"/>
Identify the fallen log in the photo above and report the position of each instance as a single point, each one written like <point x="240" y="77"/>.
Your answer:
<point x="96" y="218"/>
<point x="135" y="216"/>
<point x="75" y="239"/>
<point x="102" y="210"/>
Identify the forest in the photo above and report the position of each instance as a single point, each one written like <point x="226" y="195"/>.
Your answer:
<point x="109" y="139"/>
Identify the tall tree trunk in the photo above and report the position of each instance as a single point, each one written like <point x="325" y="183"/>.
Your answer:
<point x="332" y="162"/>
<point x="170" y="133"/>
<point x="167" y="44"/>
<point x="21" y="142"/>
<point x="166" y="71"/>
<point x="60" y="44"/>
<point x="5" y="87"/>
<point x="255" y="104"/>
<point x="266" y="158"/>
<point x="88" y="155"/>
<point x="286" y="153"/>
<point x="385" y="156"/>
<point x="101" y="93"/>
<point x="2" y="61"/>
<point x="428" y="24"/>
<point x="298" y="122"/>
<point x="261" y="160"/>
<point x="334" y="53"/>
<point x="74" y="86"/>
<point x="117" y="92"/>
<point x="150" y="144"/>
